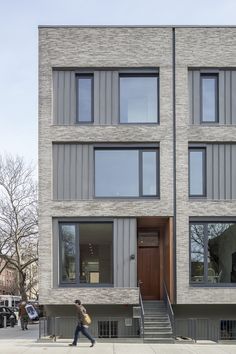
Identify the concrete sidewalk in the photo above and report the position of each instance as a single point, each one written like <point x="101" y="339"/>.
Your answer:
<point x="16" y="341"/>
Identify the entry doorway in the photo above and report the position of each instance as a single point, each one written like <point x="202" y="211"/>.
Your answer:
<point x="155" y="257"/>
<point x="149" y="265"/>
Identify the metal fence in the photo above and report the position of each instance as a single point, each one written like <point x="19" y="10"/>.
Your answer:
<point x="197" y="329"/>
<point x="101" y="327"/>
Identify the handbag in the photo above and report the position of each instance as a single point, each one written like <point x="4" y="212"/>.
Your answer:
<point x="86" y="320"/>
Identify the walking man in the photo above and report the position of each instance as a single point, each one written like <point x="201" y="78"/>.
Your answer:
<point x="23" y="316"/>
<point x="81" y="311"/>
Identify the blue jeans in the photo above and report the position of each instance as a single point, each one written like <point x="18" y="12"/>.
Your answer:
<point x="83" y="330"/>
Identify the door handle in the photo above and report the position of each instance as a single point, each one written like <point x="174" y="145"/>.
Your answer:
<point x="140" y="282"/>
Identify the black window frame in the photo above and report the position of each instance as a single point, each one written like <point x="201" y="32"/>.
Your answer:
<point x="214" y="76"/>
<point x="206" y="284"/>
<point x="204" y="174"/>
<point x="137" y="75"/>
<point x="140" y="169"/>
<point x="85" y="76"/>
<point x="77" y="282"/>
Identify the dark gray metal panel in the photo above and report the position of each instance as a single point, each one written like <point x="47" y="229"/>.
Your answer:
<point x="222" y="172"/>
<point x="233" y="155"/>
<point x="227" y="97"/>
<point x="120" y="256"/>
<point x="55" y="96"/>
<point x="96" y="97"/>
<point x="55" y="250"/>
<point x="73" y="172"/>
<point x="222" y="97"/>
<point x="233" y="96"/>
<point x="115" y="252"/>
<point x="67" y="95"/>
<point x="209" y="172"/>
<point x="72" y="98"/>
<point x="215" y="164"/>
<point x="196" y="96"/>
<point x="55" y="170"/>
<point x="85" y="169"/>
<point x="115" y="97"/>
<point x="60" y="172"/>
<point x="102" y="102"/>
<point x="133" y="250"/>
<point x="190" y="90"/>
<point x="108" y="97"/>
<point x="60" y="97"/>
<point x="125" y="244"/>
<point x="67" y="172"/>
<point x="79" y="171"/>
<point x="91" y="172"/>
<point x="126" y="253"/>
<point x="228" y="171"/>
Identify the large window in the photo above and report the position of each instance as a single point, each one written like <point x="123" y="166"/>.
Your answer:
<point x="213" y="253"/>
<point x="86" y="253"/>
<point x="126" y="172"/>
<point x="138" y="98"/>
<point x="209" y="98"/>
<point x="197" y="172"/>
<point x="84" y="98"/>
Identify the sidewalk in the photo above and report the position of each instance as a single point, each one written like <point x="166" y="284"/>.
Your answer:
<point x="16" y="341"/>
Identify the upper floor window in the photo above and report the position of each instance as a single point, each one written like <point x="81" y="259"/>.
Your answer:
<point x="197" y="172"/>
<point x="213" y="253"/>
<point x="126" y="172"/>
<point x="209" y="98"/>
<point x="138" y="98"/>
<point x="84" y="98"/>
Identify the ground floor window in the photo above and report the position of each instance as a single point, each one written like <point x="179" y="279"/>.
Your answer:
<point x="108" y="329"/>
<point x="228" y="329"/>
<point x="86" y="253"/>
<point x="213" y="253"/>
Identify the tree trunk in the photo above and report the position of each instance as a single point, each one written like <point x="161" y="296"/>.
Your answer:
<point x="22" y="277"/>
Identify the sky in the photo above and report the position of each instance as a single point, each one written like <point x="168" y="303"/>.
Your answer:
<point x="19" y="20"/>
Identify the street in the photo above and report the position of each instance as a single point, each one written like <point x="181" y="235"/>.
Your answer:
<point x="16" y="341"/>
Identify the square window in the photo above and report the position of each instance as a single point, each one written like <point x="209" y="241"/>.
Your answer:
<point x="138" y="98"/>
<point x="86" y="253"/>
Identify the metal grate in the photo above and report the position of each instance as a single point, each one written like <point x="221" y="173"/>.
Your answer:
<point x="108" y="329"/>
<point x="228" y="329"/>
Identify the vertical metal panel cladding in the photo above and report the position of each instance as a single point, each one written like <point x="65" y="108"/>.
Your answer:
<point x="64" y="97"/>
<point x="125" y="245"/>
<point x="221" y="171"/>
<point x="105" y="97"/>
<point x="226" y="95"/>
<point x="72" y="171"/>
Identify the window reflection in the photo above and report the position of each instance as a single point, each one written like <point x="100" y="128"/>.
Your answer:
<point x="68" y="253"/>
<point x="138" y="99"/>
<point x="213" y="244"/>
<point x="209" y="98"/>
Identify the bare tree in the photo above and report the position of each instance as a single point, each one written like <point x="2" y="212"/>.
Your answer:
<point x="18" y="218"/>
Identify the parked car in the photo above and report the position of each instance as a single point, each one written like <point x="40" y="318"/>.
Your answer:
<point x="10" y="316"/>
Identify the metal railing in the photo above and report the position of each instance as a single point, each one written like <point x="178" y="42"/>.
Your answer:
<point x="169" y="308"/>
<point x="197" y="329"/>
<point x="142" y="313"/>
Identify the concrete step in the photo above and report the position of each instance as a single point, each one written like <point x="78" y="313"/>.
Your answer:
<point x="158" y="329"/>
<point x="156" y="334"/>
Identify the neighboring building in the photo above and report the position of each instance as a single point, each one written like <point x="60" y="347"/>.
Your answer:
<point x="137" y="175"/>
<point x="8" y="279"/>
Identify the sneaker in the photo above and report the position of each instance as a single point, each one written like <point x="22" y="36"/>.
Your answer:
<point x="93" y="343"/>
<point x="72" y="345"/>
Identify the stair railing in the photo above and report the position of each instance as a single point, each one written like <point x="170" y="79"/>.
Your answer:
<point x="169" y="308"/>
<point x="142" y="312"/>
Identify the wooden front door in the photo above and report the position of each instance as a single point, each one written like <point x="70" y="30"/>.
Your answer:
<point x="149" y="265"/>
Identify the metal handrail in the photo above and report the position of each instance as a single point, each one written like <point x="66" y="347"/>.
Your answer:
<point x="169" y="307"/>
<point x="142" y="311"/>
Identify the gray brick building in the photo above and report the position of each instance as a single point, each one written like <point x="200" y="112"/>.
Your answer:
<point x="137" y="176"/>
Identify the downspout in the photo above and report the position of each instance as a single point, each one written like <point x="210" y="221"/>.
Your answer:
<point x="174" y="162"/>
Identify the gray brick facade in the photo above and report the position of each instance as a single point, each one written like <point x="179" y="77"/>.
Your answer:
<point x="133" y="47"/>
